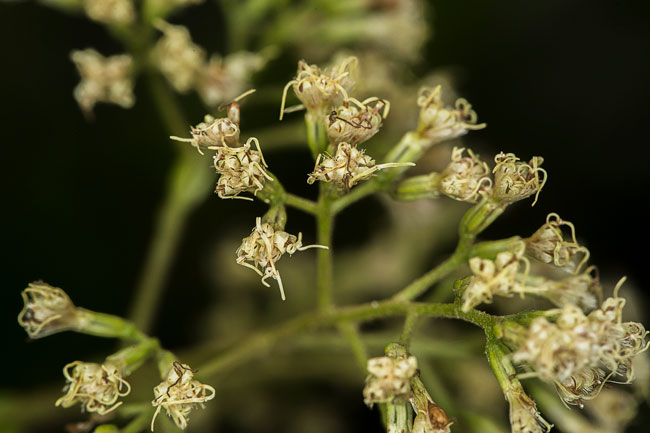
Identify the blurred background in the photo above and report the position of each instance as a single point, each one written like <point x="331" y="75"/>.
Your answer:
<point x="567" y="80"/>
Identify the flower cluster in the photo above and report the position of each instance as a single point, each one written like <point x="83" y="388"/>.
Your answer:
<point x="549" y="245"/>
<point x="241" y="169"/>
<point x="500" y="276"/>
<point x="177" y="57"/>
<point x="583" y="290"/>
<point x="223" y="78"/>
<point x="179" y="394"/>
<point x="355" y="122"/>
<point x="347" y="167"/>
<point x="319" y="89"/>
<point x="265" y="246"/>
<point x="439" y="122"/>
<point x="388" y="379"/>
<point x="103" y="79"/>
<point x="96" y="386"/>
<point x="212" y="132"/>
<point x="47" y="310"/>
<point x="466" y="178"/>
<point x="579" y="352"/>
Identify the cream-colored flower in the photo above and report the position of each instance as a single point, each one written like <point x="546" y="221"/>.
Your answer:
<point x="515" y="180"/>
<point x="177" y="57"/>
<point x="466" y="178"/>
<point x="355" y="122"/>
<point x="265" y="246"/>
<point x="583" y="290"/>
<point x="212" y="132"/>
<point x="347" y="167"/>
<point x="388" y="379"/>
<point x="179" y="394"/>
<point x="321" y="90"/>
<point x="96" y="386"/>
<point x="500" y="276"/>
<point x="47" y="310"/>
<point x="103" y="79"/>
<point x="580" y="352"/>
<point x="119" y="12"/>
<point x="549" y="245"/>
<point x="241" y="169"/>
<point x="439" y="122"/>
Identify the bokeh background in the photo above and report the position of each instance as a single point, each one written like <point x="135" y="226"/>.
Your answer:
<point x="564" y="79"/>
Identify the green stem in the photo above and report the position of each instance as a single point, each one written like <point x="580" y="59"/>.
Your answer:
<point x="351" y="334"/>
<point x="301" y="203"/>
<point x="324" y="268"/>
<point x="189" y="184"/>
<point x="407" y="331"/>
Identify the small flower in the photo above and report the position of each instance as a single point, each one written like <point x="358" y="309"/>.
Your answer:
<point x="439" y="123"/>
<point x="116" y="12"/>
<point x="241" y="169"/>
<point x="103" y="79"/>
<point x="579" y="352"/>
<point x="494" y="277"/>
<point x="388" y="379"/>
<point x="177" y="57"/>
<point x="179" y="393"/>
<point x="222" y="79"/>
<point x="96" y="386"/>
<point x="47" y="310"/>
<point x="583" y="290"/>
<point x="524" y="416"/>
<point x="549" y="245"/>
<point x="465" y="178"/>
<point x="347" y="167"/>
<point x="320" y="90"/>
<point x="355" y="122"/>
<point x="265" y="246"/>
<point x="515" y="180"/>
<point x="212" y="132"/>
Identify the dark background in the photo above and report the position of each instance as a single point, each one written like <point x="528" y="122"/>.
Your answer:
<point x="564" y="79"/>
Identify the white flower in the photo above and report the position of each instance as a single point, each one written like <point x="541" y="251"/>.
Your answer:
<point x="177" y="57"/>
<point x="465" y="178"/>
<point x="388" y="379"/>
<point x="120" y="12"/>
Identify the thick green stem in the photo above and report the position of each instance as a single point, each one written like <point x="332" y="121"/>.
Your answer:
<point x="189" y="184"/>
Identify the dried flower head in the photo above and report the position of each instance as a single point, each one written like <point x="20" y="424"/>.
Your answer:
<point x="515" y="180"/>
<point x="265" y="246"/>
<point x="549" y="245"/>
<point x="388" y="379"/>
<point x="438" y="122"/>
<point x="466" y="178"/>
<point x="177" y="57"/>
<point x="103" y="79"/>
<point x="47" y="310"/>
<point x="241" y="169"/>
<point x="500" y="276"/>
<point x="355" y="122"/>
<point x="579" y="352"/>
<point x="222" y="79"/>
<point x="320" y="90"/>
<point x="96" y="386"/>
<point x="347" y="167"/>
<point x="115" y="12"/>
<point x="212" y="132"/>
<point x="429" y="416"/>
<point x="179" y="394"/>
<point x="524" y="416"/>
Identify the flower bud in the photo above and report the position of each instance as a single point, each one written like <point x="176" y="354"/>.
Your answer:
<point x="549" y="245"/>
<point x="439" y="123"/>
<point x="355" y="122"/>
<point x="47" y="310"/>
<point x="320" y="90"/>
<point x="388" y="379"/>
<point x="103" y="79"/>
<point x="177" y="57"/>
<point x="96" y="386"/>
<point x="515" y="180"/>
<point x="115" y="12"/>
<point x="347" y="167"/>
<point x="179" y="394"/>
<point x="265" y="246"/>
